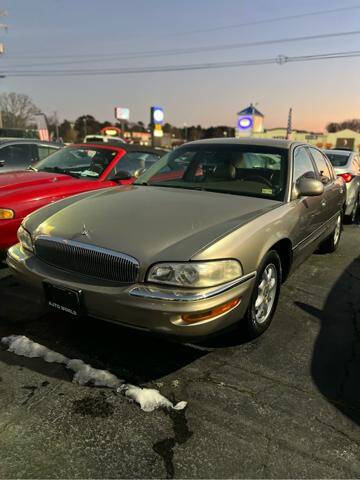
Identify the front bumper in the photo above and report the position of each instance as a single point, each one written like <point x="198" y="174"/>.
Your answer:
<point x="145" y="307"/>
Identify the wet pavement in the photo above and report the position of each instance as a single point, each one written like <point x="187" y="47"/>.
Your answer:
<point x="284" y="405"/>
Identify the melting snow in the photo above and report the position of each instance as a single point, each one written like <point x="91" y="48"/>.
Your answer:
<point x="149" y="399"/>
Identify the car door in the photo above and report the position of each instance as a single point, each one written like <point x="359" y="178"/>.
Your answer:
<point x="332" y="190"/>
<point x="308" y="209"/>
<point x="355" y="170"/>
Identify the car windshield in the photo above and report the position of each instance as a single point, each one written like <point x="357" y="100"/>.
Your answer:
<point x="136" y="163"/>
<point x="338" y="159"/>
<point x="87" y="163"/>
<point x="256" y="171"/>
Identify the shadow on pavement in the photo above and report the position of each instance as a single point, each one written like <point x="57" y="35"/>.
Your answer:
<point x="131" y="355"/>
<point x="335" y="365"/>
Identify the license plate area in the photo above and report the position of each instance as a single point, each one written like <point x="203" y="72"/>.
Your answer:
<point x="64" y="299"/>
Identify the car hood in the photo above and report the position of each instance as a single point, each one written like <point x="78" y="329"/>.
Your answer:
<point x="25" y="184"/>
<point x="152" y="223"/>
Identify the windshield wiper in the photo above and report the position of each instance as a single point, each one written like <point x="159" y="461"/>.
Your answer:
<point x="60" y="170"/>
<point x="176" y="186"/>
<point x="30" y="167"/>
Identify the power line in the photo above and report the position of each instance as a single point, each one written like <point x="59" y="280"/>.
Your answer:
<point x="270" y="20"/>
<point x="280" y="60"/>
<point x="212" y="29"/>
<point x="183" y="51"/>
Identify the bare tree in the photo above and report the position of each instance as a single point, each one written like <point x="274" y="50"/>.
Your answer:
<point x="17" y="109"/>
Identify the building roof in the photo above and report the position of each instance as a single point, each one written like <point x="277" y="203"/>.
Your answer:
<point x="250" y="110"/>
<point x="295" y="130"/>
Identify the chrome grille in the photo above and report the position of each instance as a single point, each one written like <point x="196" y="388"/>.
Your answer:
<point x="87" y="259"/>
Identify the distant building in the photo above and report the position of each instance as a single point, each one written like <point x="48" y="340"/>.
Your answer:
<point x="250" y="123"/>
<point x="344" y="139"/>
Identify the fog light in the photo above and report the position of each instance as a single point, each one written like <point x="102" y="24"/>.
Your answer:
<point x="199" y="317"/>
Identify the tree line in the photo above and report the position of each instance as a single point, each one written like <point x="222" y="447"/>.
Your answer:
<point x="18" y="109"/>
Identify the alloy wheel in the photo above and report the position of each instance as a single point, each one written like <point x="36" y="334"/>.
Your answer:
<point x="266" y="294"/>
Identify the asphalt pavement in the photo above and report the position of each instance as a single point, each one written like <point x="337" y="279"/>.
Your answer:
<point x="284" y="405"/>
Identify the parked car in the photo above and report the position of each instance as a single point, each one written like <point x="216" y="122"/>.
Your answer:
<point x="201" y="241"/>
<point x="347" y="165"/>
<point x="74" y="169"/>
<point x="95" y="138"/>
<point x="18" y="154"/>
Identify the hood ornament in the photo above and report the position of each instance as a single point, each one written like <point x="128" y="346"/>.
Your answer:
<point x="85" y="232"/>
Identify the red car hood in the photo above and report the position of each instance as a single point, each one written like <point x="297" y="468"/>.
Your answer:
<point x="23" y="185"/>
<point x="14" y="180"/>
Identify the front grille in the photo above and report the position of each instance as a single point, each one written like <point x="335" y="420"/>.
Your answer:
<point x="87" y="259"/>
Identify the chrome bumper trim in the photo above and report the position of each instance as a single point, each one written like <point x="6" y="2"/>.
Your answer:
<point x="156" y="293"/>
<point x="17" y="253"/>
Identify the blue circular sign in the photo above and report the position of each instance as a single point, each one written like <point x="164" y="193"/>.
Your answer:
<point x="245" y="122"/>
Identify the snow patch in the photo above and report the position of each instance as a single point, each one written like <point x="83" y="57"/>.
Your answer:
<point x="21" y="345"/>
<point x="149" y="399"/>
<point x="85" y="374"/>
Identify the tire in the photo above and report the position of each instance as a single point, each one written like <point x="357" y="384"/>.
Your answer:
<point x="256" y="321"/>
<point x="330" y="244"/>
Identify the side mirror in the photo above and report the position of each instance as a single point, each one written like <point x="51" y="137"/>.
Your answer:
<point x="2" y="163"/>
<point x="310" y="187"/>
<point x="121" y="175"/>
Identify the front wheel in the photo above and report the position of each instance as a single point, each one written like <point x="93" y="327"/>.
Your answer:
<point x="331" y="243"/>
<point x="265" y="295"/>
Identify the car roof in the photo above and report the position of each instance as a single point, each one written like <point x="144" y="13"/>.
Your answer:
<point x="123" y="146"/>
<point x="268" y="142"/>
<point x="6" y="140"/>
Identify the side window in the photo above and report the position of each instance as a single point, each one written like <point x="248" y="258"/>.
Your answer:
<point x="303" y="166"/>
<point x="321" y="165"/>
<point x="5" y="153"/>
<point x="43" y="151"/>
<point x="20" y="153"/>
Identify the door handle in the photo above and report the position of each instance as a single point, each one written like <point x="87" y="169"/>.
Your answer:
<point x="323" y="203"/>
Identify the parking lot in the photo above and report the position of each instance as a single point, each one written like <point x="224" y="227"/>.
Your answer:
<point x="285" y="405"/>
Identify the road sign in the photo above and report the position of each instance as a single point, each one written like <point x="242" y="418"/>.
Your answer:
<point x="157" y="115"/>
<point x="122" y="113"/>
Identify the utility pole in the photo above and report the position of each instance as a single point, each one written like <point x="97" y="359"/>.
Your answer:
<point x="289" y="125"/>
<point x="56" y="126"/>
<point x="4" y="26"/>
<point x="3" y="13"/>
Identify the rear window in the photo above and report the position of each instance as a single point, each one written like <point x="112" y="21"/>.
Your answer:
<point x="338" y="159"/>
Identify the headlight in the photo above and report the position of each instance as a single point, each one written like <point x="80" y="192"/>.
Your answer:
<point x="6" y="214"/>
<point x="195" y="274"/>
<point x="25" y="239"/>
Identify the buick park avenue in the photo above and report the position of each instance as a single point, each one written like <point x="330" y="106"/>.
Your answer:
<point x="202" y="241"/>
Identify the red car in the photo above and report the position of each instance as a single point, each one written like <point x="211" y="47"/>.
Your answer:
<point x="71" y="170"/>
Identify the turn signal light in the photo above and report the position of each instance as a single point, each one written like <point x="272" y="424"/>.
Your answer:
<point x="199" y="317"/>
<point x="347" y="177"/>
<point x="6" y="214"/>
